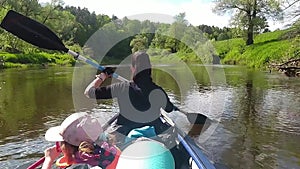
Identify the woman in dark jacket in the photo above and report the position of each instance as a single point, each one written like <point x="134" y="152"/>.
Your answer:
<point x="140" y="100"/>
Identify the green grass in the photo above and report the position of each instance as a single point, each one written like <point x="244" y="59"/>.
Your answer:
<point x="10" y="60"/>
<point x="169" y="59"/>
<point x="267" y="48"/>
<point x="269" y="36"/>
<point x="176" y="58"/>
<point x="258" y="56"/>
<point x="229" y="46"/>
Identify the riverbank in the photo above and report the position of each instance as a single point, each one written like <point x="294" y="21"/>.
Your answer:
<point x="43" y="59"/>
<point x="268" y="49"/>
<point x="271" y="48"/>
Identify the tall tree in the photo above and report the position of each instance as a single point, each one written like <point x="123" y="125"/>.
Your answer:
<point x="139" y="42"/>
<point x="62" y="22"/>
<point x="27" y="7"/>
<point x="87" y="23"/>
<point x="181" y="18"/>
<point x="176" y="32"/>
<point x="250" y="14"/>
<point x="30" y="8"/>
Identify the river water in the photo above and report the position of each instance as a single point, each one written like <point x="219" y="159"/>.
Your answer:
<point x="256" y="114"/>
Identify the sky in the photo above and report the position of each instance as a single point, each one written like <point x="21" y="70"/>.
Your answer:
<point x="197" y="12"/>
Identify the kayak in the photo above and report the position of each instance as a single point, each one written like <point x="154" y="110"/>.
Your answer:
<point x="188" y="154"/>
<point x="189" y="149"/>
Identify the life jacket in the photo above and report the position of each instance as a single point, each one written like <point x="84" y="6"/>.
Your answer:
<point x="105" y="163"/>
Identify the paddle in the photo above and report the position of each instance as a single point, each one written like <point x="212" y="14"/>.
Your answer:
<point x="196" y="153"/>
<point x="41" y="36"/>
<point x="194" y="118"/>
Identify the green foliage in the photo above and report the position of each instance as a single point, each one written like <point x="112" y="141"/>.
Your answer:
<point x="16" y="60"/>
<point x="233" y="56"/>
<point x="258" y="55"/>
<point x="161" y="59"/>
<point x="86" y="23"/>
<point x="114" y="39"/>
<point x="269" y="36"/>
<point x="223" y="36"/>
<point x="250" y="16"/>
<point x="14" y="65"/>
<point x="61" y="59"/>
<point x="223" y="48"/>
<point x="139" y="42"/>
<point x="269" y="48"/>
<point x="24" y="58"/>
<point x="294" y="50"/>
<point x="218" y="34"/>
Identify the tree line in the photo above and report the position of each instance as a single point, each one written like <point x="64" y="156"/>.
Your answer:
<point x="75" y="26"/>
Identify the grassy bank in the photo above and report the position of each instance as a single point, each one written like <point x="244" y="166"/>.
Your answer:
<point x="271" y="47"/>
<point x="9" y="60"/>
<point x="268" y="48"/>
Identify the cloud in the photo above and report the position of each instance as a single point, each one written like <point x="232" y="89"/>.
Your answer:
<point x="197" y="12"/>
<point x="200" y="12"/>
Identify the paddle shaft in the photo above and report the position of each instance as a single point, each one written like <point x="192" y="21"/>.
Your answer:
<point x="97" y="66"/>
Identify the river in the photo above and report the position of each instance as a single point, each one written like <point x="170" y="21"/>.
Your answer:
<point x="256" y="114"/>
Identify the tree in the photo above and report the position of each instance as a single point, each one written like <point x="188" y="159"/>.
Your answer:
<point x="292" y="8"/>
<point x="222" y="36"/>
<point x="160" y="38"/>
<point x="292" y="11"/>
<point x="148" y="29"/>
<point x="29" y="8"/>
<point x="62" y="22"/>
<point x="132" y="26"/>
<point x="86" y="23"/>
<point x="181" y="18"/>
<point x="175" y="33"/>
<point x="139" y="42"/>
<point x="250" y="14"/>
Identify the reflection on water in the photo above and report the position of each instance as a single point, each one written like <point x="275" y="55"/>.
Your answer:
<point x="260" y="123"/>
<point x="257" y="115"/>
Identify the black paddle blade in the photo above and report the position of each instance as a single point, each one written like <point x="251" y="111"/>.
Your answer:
<point x="195" y="118"/>
<point x="32" y="31"/>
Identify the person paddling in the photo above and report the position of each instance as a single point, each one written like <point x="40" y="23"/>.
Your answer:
<point x="139" y="100"/>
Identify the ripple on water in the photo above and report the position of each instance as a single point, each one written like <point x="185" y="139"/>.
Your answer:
<point x="22" y="152"/>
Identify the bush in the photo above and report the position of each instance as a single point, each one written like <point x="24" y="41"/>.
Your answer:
<point x="37" y="58"/>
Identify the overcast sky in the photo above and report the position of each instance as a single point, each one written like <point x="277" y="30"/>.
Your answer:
<point x="197" y="11"/>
